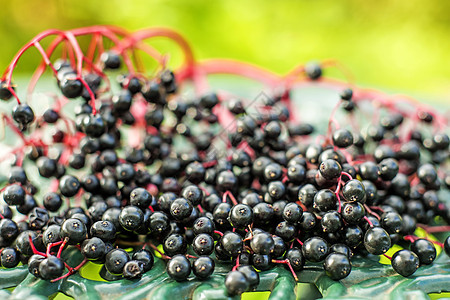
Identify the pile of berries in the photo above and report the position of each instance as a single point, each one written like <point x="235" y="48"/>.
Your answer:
<point x="141" y="163"/>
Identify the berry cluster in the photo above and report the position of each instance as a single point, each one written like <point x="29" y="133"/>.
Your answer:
<point x="209" y="177"/>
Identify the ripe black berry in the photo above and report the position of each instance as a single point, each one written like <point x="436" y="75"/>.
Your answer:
<point x="111" y="60"/>
<point x="232" y="243"/>
<point x="115" y="261"/>
<point x="262" y="243"/>
<point x="51" y="268"/>
<point x="93" y="249"/>
<point x="23" y="115"/>
<point x="146" y="257"/>
<point x="178" y="268"/>
<point x="180" y="209"/>
<point x="69" y="185"/>
<point x="337" y="266"/>
<point x="354" y="190"/>
<point x="425" y="250"/>
<point x="315" y="249"/>
<point x="10" y="258"/>
<point x="377" y="241"/>
<point x="236" y="283"/>
<point x="405" y="262"/>
<point x="131" y="217"/>
<point x="14" y="195"/>
<point x="203" y="244"/>
<point x="240" y="216"/>
<point x="74" y="230"/>
<point x="342" y="138"/>
<point x="203" y="267"/>
<point x="295" y="257"/>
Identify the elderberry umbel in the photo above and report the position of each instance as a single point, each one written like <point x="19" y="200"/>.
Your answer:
<point x="203" y="177"/>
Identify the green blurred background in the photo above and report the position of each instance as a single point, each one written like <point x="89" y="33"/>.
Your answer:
<point x="396" y="45"/>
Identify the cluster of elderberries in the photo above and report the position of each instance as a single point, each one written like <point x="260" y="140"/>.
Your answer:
<point x="211" y="179"/>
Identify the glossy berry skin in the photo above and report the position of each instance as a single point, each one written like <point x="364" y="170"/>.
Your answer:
<point x="263" y="213"/>
<point x="203" y="267"/>
<point x="69" y="185"/>
<point x="193" y="194"/>
<point x="203" y="244"/>
<point x="315" y="249"/>
<point x="353" y="190"/>
<point x="285" y="230"/>
<point x="146" y="257"/>
<point x="342" y="138"/>
<point x="226" y="180"/>
<point x="262" y="243"/>
<point x="33" y="264"/>
<point x="388" y="169"/>
<point x="115" y="261"/>
<point x="337" y="266"/>
<point x="8" y="229"/>
<point x="427" y="174"/>
<point x="292" y="213"/>
<point x="133" y="269"/>
<point x="331" y="221"/>
<point x="93" y="126"/>
<point x="276" y="190"/>
<point x="104" y="230"/>
<point x="158" y="223"/>
<point x="10" y="258"/>
<point x="14" y="195"/>
<point x="306" y="194"/>
<point x="342" y="249"/>
<point x="352" y="213"/>
<point x="71" y="87"/>
<point x="377" y="241"/>
<point x="93" y="249"/>
<point x="23" y="114"/>
<point x="368" y="171"/>
<point x="307" y="222"/>
<point x="240" y="216"/>
<point x="251" y="275"/>
<point x="352" y="235"/>
<point x="447" y="246"/>
<point x="51" y="234"/>
<point x="178" y="268"/>
<point x="74" y="230"/>
<point x="405" y="262"/>
<point x="425" y="250"/>
<point x="52" y="201"/>
<point x="232" y="243"/>
<point x="111" y="60"/>
<point x="5" y="93"/>
<point x="325" y="200"/>
<point x="141" y="198"/>
<point x="175" y="244"/>
<point x="296" y="259"/>
<point x="296" y="173"/>
<point x="131" y="217"/>
<point x="392" y="222"/>
<point x="51" y="268"/>
<point x="236" y="283"/>
<point x="273" y="172"/>
<point x="203" y="225"/>
<point x="330" y="169"/>
<point x="180" y="209"/>
<point x="23" y="243"/>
